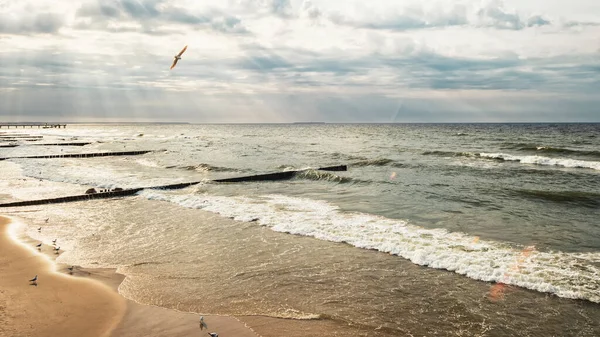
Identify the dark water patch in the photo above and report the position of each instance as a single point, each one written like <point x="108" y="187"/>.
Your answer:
<point x="579" y="198"/>
<point x="448" y="154"/>
<point x="373" y="162"/>
<point x="338" y="155"/>
<point x="144" y="263"/>
<point x="440" y="185"/>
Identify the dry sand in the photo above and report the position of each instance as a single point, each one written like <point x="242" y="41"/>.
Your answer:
<point x="58" y="305"/>
<point x="85" y="303"/>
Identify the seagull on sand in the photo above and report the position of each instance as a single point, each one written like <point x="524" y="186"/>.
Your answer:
<point x="47" y="220"/>
<point x="71" y="269"/>
<point x="39" y="245"/>
<point x="56" y="249"/>
<point x="39" y="229"/>
<point x="54" y="241"/>
<point x="213" y="334"/>
<point x="178" y="57"/>
<point x="202" y="324"/>
<point x="33" y="280"/>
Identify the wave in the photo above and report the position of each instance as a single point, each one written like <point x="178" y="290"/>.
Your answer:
<point x="551" y="150"/>
<point x="376" y="162"/>
<point x="146" y="162"/>
<point x="539" y="160"/>
<point x="566" y="275"/>
<point x="587" y="199"/>
<point x="204" y="168"/>
<point x="322" y="176"/>
<point x="449" y="154"/>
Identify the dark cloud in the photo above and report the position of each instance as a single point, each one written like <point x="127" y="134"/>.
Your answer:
<point x="493" y="14"/>
<point x="97" y="9"/>
<point x="424" y="70"/>
<point x="153" y="17"/>
<point x="281" y="8"/>
<point x="30" y="23"/>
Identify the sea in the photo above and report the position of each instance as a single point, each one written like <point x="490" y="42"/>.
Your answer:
<point x="433" y="230"/>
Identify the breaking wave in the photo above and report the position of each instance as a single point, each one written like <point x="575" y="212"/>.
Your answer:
<point x="566" y="275"/>
<point x="539" y="160"/>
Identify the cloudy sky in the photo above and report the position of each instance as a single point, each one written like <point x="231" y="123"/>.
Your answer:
<point x="253" y="61"/>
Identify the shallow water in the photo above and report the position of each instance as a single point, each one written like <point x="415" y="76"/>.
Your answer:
<point x="410" y="240"/>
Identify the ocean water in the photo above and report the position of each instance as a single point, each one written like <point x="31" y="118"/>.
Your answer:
<point x="434" y="230"/>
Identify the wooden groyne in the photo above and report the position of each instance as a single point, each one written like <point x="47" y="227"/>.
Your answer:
<point x="49" y="144"/>
<point x="277" y="175"/>
<point x="82" y="155"/>
<point x="12" y="139"/>
<point x="260" y="177"/>
<point x="32" y="125"/>
<point x="63" y="144"/>
<point x="90" y="196"/>
<point x="127" y="192"/>
<point x="18" y="136"/>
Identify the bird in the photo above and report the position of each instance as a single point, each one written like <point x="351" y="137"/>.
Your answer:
<point x="39" y="229"/>
<point x="56" y="249"/>
<point x="54" y="241"/>
<point x="33" y="280"/>
<point x="47" y="220"/>
<point x="213" y="334"/>
<point x="39" y="245"/>
<point x="178" y="57"/>
<point x="202" y="324"/>
<point x="71" y="269"/>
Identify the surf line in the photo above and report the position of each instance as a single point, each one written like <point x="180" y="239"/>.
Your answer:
<point x="119" y="192"/>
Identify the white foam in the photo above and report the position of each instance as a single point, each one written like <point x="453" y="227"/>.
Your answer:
<point x="539" y="160"/>
<point x="146" y="162"/>
<point x="566" y="275"/>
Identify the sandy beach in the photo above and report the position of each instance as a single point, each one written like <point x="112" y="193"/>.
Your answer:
<point x="85" y="303"/>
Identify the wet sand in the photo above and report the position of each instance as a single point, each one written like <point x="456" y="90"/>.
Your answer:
<point x="58" y="305"/>
<point x="84" y="302"/>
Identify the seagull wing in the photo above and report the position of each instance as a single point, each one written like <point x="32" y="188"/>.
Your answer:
<point x="174" y="63"/>
<point x="182" y="51"/>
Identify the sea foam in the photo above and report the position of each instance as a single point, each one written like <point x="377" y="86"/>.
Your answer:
<point x="539" y="160"/>
<point x="563" y="274"/>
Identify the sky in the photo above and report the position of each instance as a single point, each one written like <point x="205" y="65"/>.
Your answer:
<point x="282" y="61"/>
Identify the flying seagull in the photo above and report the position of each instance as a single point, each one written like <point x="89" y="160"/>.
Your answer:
<point x="178" y="57"/>
<point x="202" y="324"/>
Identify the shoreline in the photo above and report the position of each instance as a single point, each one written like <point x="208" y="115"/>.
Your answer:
<point x="97" y="309"/>
<point x="58" y="304"/>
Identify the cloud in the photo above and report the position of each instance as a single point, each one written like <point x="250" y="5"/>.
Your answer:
<point x="152" y="17"/>
<point x="417" y="15"/>
<point x="30" y="23"/>
<point x="277" y="60"/>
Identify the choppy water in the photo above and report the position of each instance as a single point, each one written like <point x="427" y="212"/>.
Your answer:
<point x="450" y="230"/>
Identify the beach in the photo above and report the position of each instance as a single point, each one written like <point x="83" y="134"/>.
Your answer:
<point x="85" y="304"/>
<point x="58" y="305"/>
<point x="433" y="230"/>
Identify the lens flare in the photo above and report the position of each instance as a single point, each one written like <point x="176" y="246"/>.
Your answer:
<point x="498" y="290"/>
